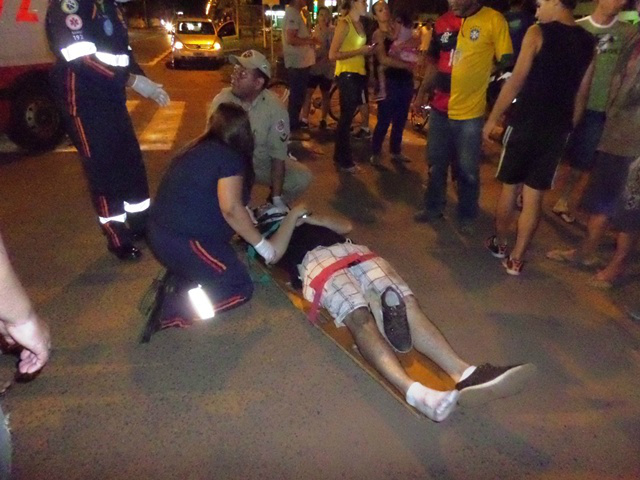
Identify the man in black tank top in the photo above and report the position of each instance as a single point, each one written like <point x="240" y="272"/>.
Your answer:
<point x="551" y="82"/>
<point x="355" y="286"/>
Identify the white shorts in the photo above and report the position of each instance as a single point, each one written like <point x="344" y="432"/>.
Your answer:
<point x="344" y="291"/>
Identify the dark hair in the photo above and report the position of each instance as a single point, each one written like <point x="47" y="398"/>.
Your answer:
<point x="346" y="5"/>
<point x="570" y="4"/>
<point x="404" y="16"/>
<point x="229" y="125"/>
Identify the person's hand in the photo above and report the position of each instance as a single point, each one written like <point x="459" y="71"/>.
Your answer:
<point x="150" y="89"/>
<point x="368" y="50"/>
<point x="33" y="336"/>
<point x="489" y="125"/>
<point x="298" y="211"/>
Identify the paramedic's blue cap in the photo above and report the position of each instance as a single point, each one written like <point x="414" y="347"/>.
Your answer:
<point x="252" y="59"/>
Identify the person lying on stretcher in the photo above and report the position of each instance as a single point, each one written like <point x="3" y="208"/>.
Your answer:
<point x="363" y="292"/>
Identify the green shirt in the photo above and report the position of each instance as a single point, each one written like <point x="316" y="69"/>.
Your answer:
<point x="609" y="41"/>
<point x="269" y="121"/>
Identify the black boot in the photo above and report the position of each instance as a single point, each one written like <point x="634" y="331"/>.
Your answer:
<point x="119" y="241"/>
<point x="137" y="223"/>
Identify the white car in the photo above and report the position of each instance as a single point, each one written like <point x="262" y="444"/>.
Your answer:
<point x="195" y="39"/>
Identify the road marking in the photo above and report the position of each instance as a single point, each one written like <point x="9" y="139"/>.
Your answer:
<point x="157" y="59"/>
<point x="161" y="132"/>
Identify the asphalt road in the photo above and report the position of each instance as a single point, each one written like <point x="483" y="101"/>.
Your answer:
<point x="259" y="393"/>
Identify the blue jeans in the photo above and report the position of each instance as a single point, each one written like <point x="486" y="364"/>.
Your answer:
<point x="457" y="143"/>
<point x="393" y="111"/>
<point x="298" y="80"/>
<point x="351" y="88"/>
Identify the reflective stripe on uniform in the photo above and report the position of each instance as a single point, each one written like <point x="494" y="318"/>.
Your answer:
<point x="118" y="218"/>
<point x="120" y="60"/>
<point x="137" y="207"/>
<point x="77" y="50"/>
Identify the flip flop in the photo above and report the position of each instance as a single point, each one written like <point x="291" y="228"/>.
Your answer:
<point x="567" y="256"/>
<point x="565" y="216"/>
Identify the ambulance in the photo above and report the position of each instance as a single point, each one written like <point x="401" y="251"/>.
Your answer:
<point x="28" y="114"/>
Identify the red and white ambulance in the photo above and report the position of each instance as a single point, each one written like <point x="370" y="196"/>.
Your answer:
<point x="27" y="111"/>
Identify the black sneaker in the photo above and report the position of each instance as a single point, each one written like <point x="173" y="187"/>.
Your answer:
<point x="498" y="250"/>
<point x="394" y="320"/>
<point x="488" y="383"/>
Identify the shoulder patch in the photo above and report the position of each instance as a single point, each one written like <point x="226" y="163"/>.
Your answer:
<point x="69" y="6"/>
<point x="73" y="22"/>
<point x="280" y="126"/>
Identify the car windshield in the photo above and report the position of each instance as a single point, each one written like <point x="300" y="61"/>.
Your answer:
<point x="196" y="28"/>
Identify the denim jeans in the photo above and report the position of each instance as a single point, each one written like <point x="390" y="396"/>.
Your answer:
<point x="351" y="87"/>
<point x="457" y="143"/>
<point x="393" y="110"/>
<point x="298" y="79"/>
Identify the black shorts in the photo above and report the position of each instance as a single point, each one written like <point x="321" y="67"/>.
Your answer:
<point x="531" y="155"/>
<point x="321" y="81"/>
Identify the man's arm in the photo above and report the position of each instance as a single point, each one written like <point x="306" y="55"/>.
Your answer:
<point x="430" y="72"/>
<point x="280" y="240"/>
<point x="582" y="97"/>
<point x="277" y="176"/>
<point x="18" y="321"/>
<point x="530" y="47"/>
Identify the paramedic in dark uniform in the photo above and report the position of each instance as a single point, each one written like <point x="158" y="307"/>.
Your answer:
<point x="94" y="65"/>
<point x="199" y="206"/>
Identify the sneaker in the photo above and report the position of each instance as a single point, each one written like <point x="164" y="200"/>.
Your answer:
<point x="375" y="159"/>
<point x="426" y="216"/>
<point x="394" y="320"/>
<point x="498" y="250"/>
<point x="488" y="383"/>
<point x="323" y="125"/>
<point x="512" y="265"/>
<point x="362" y="133"/>
<point x="303" y="125"/>
<point x="400" y="158"/>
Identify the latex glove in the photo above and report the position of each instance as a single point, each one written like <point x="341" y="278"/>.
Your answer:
<point x="150" y="89"/>
<point x="279" y="204"/>
<point x="266" y="250"/>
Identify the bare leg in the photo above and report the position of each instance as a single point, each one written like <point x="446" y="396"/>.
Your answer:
<point x="307" y="105"/>
<point x="573" y="176"/>
<point x="375" y="349"/>
<point x="506" y="211"/>
<point x="364" y="113"/>
<point x="434" y="404"/>
<point x="325" y="104"/>
<point x="430" y="342"/>
<point x="528" y="221"/>
<point x="596" y="228"/>
<point x="625" y="246"/>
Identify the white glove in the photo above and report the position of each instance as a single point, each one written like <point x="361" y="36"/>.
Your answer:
<point x="279" y="204"/>
<point x="150" y="89"/>
<point x="266" y="250"/>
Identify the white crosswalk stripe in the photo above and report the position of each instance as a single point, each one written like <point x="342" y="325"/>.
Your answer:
<point x="158" y="134"/>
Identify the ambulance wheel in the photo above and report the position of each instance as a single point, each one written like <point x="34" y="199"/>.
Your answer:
<point x="35" y="123"/>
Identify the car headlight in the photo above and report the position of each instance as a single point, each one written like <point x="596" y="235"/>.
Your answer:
<point x="217" y="46"/>
<point x="178" y="45"/>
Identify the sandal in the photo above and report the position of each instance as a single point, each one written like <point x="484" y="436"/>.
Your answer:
<point x="564" y="215"/>
<point x="570" y="256"/>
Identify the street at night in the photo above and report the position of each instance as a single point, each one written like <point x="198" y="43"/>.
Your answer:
<point x="258" y="392"/>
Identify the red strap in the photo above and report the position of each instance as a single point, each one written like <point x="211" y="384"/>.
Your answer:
<point x="319" y="280"/>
